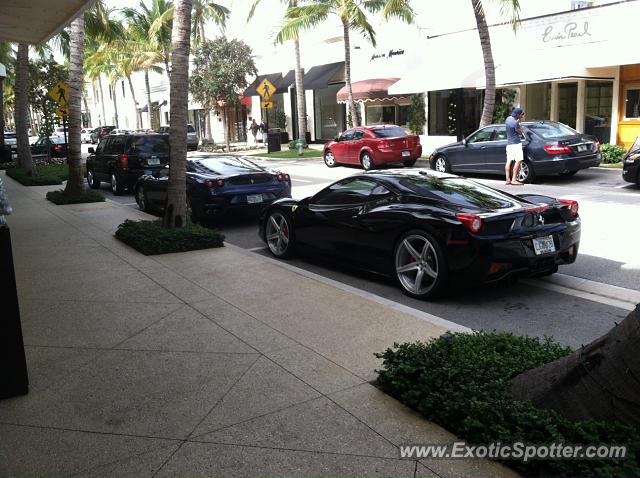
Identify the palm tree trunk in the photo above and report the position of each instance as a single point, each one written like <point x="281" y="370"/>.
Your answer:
<point x="114" y="87"/>
<point x="104" y="112"/>
<point x="225" y="122"/>
<point x="175" y="212"/>
<point x="201" y="30"/>
<point x="300" y="96"/>
<point x="146" y="84"/>
<point x="489" y="68"/>
<point x="355" y="116"/>
<point x="1" y="115"/>
<point x="207" y="126"/>
<point x="75" y="183"/>
<point x="135" y="102"/>
<point x="22" y="86"/>
<point x="599" y="381"/>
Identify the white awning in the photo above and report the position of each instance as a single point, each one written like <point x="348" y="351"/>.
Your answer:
<point x="35" y="21"/>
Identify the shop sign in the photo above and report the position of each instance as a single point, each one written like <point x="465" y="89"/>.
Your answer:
<point x="570" y="32"/>
<point x="387" y="55"/>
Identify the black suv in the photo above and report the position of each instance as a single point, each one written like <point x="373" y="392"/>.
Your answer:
<point x="120" y="159"/>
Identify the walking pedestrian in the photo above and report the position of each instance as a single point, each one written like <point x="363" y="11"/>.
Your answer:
<point x="514" y="146"/>
<point x="254" y="128"/>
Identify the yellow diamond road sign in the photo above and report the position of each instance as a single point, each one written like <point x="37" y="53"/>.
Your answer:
<point x="61" y="112"/>
<point x="267" y="105"/>
<point x="60" y="93"/>
<point x="266" y="89"/>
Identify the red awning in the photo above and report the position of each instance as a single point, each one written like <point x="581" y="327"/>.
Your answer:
<point x="367" y="90"/>
<point x="245" y="100"/>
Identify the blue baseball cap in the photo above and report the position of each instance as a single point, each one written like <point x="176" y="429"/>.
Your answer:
<point x="517" y="111"/>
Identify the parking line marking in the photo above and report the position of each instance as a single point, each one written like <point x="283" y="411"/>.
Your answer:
<point x="301" y="180"/>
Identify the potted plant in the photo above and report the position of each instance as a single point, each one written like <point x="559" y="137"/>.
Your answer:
<point x="281" y="122"/>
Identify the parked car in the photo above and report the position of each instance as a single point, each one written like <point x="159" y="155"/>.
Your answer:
<point x="192" y="136"/>
<point x="85" y="135"/>
<point x="56" y="145"/>
<point x="549" y="148"/>
<point x="216" y="185"/>
<point x="122" y="158"/>
<point x="120" y="131"/>
<point x="100" y="132"/>
<point x="372" y="146"/>
<point x="11" y="140"/>
<point x="427" y="229"/>
<point x="60" y="131"/>
<point x="631" y="163"/>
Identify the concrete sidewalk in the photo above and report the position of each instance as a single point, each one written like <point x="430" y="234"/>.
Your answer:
<point x="209" y="363"/>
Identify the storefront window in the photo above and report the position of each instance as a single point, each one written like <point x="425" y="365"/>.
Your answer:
<point x="455" y="112"/>
<point x="329" y="115"/>
<point x="403" y="115"/>
<point x="377" y="114"/>
<point x="632" y="99"/>
<point x="598" y="102"/>
<point x="567" y="103"/>
<point x="538" y="103"/>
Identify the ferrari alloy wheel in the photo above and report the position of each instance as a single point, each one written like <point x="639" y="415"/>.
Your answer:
<point x="279" y="234"/>
<point x="419" y="265"/>
<point x="366" y="161"/>
<point x="141" y="199"/>
<point x="329" y="159"/>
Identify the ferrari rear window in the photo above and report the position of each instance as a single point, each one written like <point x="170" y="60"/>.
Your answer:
<point x="459" y="191"/>
<point x="389" y="132"/>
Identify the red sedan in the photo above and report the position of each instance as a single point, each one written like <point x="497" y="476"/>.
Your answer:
<point x="372" y="146"/>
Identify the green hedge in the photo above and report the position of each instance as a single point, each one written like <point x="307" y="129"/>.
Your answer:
<point x="612" y="153"/>
<point x="462" y="382"/>
<point x="50" y="174"/>
<point x="62" y="197"/>
<point x="149" y="237"/>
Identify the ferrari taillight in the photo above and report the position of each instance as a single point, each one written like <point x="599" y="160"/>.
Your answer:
<point x="573" y="206"/>
<point x="283" y="177"/>
<point x="470" y="221"/>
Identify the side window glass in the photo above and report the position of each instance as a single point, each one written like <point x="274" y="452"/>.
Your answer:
<point x="501" y="134"/>
<point x="481" y="136"/>
<point x="102" y="146"/>
<point x="358" y="135"/>
<point x="347" y="136"/>
<point x="350" y="191"/>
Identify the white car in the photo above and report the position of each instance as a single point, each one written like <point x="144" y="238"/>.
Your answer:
<point x="11" y="140"/>
<point x="85" y="135"/>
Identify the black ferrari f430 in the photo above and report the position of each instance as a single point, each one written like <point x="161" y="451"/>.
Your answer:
<point x="427" y="229"/>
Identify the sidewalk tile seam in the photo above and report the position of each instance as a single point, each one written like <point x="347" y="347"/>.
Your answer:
<point x="222" y="397"/>
<point x="93" y="432"/>
<point x="303" y="450"/>
<point x="85" y="301"/>
<point x="195" y="352"/>
<point x="419" y="463"/>
<point x="231" y="425"/>
<point x="84" y="471"/>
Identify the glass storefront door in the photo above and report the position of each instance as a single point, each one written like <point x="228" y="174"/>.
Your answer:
<point x="330" y="117"/>
<point x="567" y="103"/>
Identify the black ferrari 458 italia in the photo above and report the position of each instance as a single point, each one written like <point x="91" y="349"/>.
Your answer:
<point x="427" y="229"/>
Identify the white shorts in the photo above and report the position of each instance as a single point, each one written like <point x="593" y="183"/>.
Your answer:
<point x="514" y="152"/>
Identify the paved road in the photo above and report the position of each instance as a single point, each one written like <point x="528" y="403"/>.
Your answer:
<point x="608" y="207"/>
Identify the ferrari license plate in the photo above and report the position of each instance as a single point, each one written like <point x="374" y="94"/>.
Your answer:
<point x="543" y="245"/>
<point x="153" y="161"/>
<point x="254" y="198"/>
<point x="406" y="153"/>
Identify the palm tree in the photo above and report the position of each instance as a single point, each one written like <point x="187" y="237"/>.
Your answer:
<point x="153" y="25"/>
<point x="510" y="8"/>
<point x="25" y="161"/>
<point x="75" y="183"/>
<point x="353" y="16"/>
<point x="175" y="211"/>
<point x="301" y="105"/>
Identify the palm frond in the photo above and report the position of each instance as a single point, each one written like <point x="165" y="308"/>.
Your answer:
<point x="510" y="9"/>
<point x="298" y="19"/>
<point x="400" y="9"/>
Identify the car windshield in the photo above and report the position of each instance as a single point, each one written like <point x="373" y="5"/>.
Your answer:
<point x="151" y="144"/>
<point x="551" y="130"/>
<point x="223" y="166"/>
<point x="394" y="132"/>
<point x="459" y="191"/>
<point x="57" y="139"/>
<point x="190" y="129"/>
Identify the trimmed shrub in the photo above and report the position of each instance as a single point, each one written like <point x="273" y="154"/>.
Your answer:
<point x="462" y="382"/>
<point x="150" y="238"/>
<point x="293" y="145"/>
<point x="49" y="174"/>
<point x="61" y="197"/>
<point x="612" y="153"/>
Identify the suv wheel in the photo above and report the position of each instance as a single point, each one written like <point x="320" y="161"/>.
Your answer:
<point x="91" y="180"/>
<point x="116" y="186"/>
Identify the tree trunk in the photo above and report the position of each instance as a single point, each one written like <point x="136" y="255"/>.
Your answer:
<point x="175" y="212"/>
<point x="489" y="68"/>
<point x="207" y="126"/>
<point x="104" y="112"/>
<point x="301" y="104"/>
<point x="135" y="102"/>
<point x="201" y="29"/>
<point x="599" y="381"/>
<point x="146" y="84"/>
<point x="22" y="86"/>
<point x="225" y="122"/>
<point x="166" y="67"/>
<point x="75" y="183"/>
<point x="114" y="87"/>
<point x="355" y="115"/>
<point x="86" y="108"/>
<point x="1" y="115"/>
